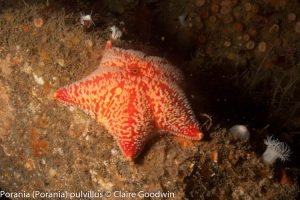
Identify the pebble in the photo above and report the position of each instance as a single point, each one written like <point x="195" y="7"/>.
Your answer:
<point x="38" y="79"/>
<point x="114" y="152"/>
<point x="72" y="108"/>
<point x="59" y="151"/>
<point x="88" y="43"/>
<point x="29" y="164"/>
<point x="52" y="172"/>
<point x="43" y="161"/>
<point x="61" y="62"/>
<point x="240" y="132"/>
<point x="26" y="68"/>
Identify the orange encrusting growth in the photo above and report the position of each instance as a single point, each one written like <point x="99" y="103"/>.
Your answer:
<point x="134" y="96"/>
<point x="39" y="147"/>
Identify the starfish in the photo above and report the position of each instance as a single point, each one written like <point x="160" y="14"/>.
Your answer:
<point x="134" y="97"/>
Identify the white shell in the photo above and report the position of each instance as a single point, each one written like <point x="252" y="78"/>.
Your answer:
<point x="240" y="132"/>
<point x="38" y="79"/>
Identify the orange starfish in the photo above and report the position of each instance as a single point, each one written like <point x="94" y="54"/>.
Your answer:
<point x="134" y="96"/>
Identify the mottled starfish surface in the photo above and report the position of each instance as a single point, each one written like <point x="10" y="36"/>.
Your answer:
<point x="134" y="96"/>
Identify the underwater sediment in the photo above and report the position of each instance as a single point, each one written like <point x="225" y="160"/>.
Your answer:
<point x="48" y="147"/>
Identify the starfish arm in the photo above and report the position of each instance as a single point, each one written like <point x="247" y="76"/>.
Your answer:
<point x="172" y="111"/>
<point x="91" y="94"/>
<point x="131" y="122"/>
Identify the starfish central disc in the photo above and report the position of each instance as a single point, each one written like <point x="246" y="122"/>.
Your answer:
<point x="134" y="96"/>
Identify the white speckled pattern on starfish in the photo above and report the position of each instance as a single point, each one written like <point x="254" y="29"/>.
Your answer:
<point x="134" y="96"/>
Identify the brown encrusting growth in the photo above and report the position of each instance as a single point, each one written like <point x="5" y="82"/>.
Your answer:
<point x="39" y="147"/>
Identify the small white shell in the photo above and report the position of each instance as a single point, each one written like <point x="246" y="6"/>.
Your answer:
<point x="240" y="132"/>
<point x="38" y="79"/>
